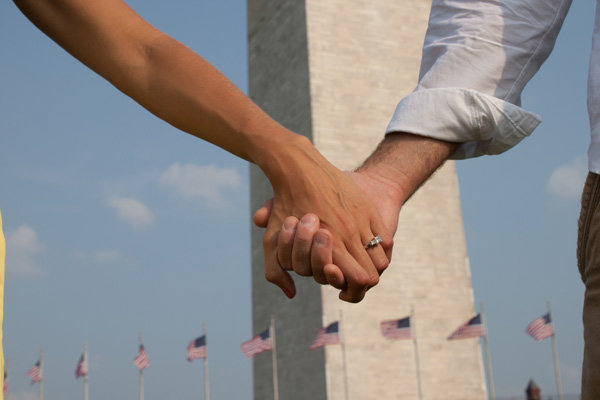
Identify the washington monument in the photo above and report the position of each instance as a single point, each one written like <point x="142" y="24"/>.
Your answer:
<point x="334" y="70"/>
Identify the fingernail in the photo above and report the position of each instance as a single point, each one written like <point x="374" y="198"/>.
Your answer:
<point x="289" y="224"/>
<point x="287" y="292"/>
<point x="308" y="220"/>
<point x="322" y="240"/>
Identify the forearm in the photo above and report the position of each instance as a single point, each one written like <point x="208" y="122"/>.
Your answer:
<point x="161" y="74"/>
<point x="402" y="162"/>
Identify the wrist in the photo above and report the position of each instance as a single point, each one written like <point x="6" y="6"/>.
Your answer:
<point x="283" y="155"/>
<point x="403" y="161"/>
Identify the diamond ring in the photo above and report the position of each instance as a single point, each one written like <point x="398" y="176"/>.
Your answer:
<point x="374" y="242"/>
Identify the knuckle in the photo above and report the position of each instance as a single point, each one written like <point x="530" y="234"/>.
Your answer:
<point x="388" y="242"/>
<point x="271" y="276"/>
<point x="302" y="270"/>
<point x="284" y="262"/>
<point x="362" y="281"/>
<point x="267" y="239"/>
<point x="382" y="264"/>
<point x="374" y="280"/>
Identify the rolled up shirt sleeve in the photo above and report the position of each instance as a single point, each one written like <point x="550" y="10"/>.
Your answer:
<point x="477" y="58"/>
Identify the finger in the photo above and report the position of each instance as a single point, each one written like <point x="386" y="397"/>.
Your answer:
<point x="285" y="242"/>
<point x="358" y="278"/>
<point x="261" y="216"/>
<point x="321" y="259"/>
<point x="377" y="254"/>
<point x="306" y="229"/>
<point x="387" y="244"/>
<point x="334" y="276"/>
<point x="273" y="271"/>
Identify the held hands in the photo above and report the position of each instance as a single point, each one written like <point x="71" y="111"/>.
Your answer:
<point x="305" y="247"/>
<point x="305" y="186"/>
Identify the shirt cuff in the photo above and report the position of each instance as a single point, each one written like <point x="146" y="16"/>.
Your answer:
<point x="483" y="124"/>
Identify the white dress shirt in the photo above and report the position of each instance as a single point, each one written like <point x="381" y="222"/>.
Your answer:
<point x="477" y="58"/>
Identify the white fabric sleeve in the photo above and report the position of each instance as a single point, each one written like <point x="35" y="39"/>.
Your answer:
<point x="477" y="58"/>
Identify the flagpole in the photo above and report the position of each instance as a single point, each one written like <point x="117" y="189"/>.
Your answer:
<point x="206" y="387"/>
<point x="488" y="357"/>
<point x="274" y="358"/>
<point x="343" y="345"/>
<point x="413" y="328"/>
<point x="41" y="383"/>
<point x="555" y="352"/>
<point x="85" y="377"/>
<point x="141" y="372"/>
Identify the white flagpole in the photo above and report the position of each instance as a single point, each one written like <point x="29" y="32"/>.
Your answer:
<point x="413" y="330"/>
<point x="41" y="383"/>
<point x="85" y="377"/>
<point x="343" y="346"/>
<point x="274" y="358"/>
<point x="487" y="355"/>
<point x="555" y="352"/>
<point x="141" y="372"/>
<point x="206" y="387"/>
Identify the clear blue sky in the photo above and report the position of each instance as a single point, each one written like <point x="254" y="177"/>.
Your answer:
<point x="106" y="239"/>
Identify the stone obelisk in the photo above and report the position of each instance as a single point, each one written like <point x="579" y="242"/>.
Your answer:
<point x="334" y="70"/>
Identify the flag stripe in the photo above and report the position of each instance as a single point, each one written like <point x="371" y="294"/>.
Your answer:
<point x="257" y="344"/>
<point x="396" y="329"/>
<point x="541" y="328"/>
<point x="470" y="329"/>
<point x="81" y="369"/>
<point x="35" y="373"/>
<point x="197" y="348"/>
<point x="142" y="361"/>
<point x="326" y="336"/>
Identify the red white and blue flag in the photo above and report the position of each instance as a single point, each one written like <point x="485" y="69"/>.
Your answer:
<point x="257" y="344"/>
<point x="541" y="328"/>
<point x="470" y="329"/>
<point x="141" y="361"/>
<point x="396" y="329"/>
<point x="81" y="369"/>
<point x="5" y="386"/>
<point x="197" y="348"/>
<point x="327" y="335"/>
<point x="35" y="373"/>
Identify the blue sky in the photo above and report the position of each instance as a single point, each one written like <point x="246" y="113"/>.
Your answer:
<point x="106" y="238"/>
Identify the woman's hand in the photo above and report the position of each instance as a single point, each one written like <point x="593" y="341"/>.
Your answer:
<point x="334" y="210"/>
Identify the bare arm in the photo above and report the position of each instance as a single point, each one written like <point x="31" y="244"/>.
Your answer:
<point x="158" y="72"/>
<point x="182" y="88"/>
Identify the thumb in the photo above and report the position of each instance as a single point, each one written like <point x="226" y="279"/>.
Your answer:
<point x="261" y="216"/>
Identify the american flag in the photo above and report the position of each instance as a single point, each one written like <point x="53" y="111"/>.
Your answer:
<point x="197" y="348"/>
<point x="471" y="328"/>
<point x="257" y="344"/>
<point x="327" y="335"/>
<point x="396" y="329"/>
<point x="141" y="360"/>
<point x="35" y="373"/>
<point x="5" y="387"/>
<point x="541" y="328"/>
<point x="81" y="369"/>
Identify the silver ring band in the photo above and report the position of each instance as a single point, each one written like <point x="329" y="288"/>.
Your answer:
<point x="374" y="242"/>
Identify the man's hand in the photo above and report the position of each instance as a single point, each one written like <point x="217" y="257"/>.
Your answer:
<point x="294" y="251"/>
<point x="401" y="163"/>
<point x="306" y="185"/>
